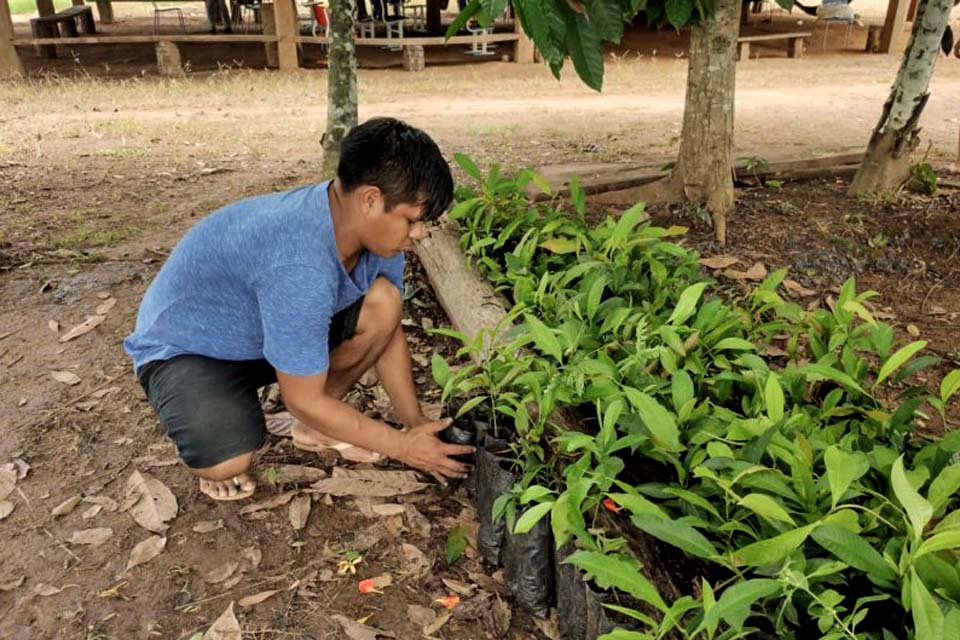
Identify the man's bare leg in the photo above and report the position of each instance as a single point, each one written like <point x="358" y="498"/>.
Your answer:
<point x="227" y="480"/>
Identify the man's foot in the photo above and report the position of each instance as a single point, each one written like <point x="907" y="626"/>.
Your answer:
<point x="309" y="440"/>
<point x="236" y="488"/>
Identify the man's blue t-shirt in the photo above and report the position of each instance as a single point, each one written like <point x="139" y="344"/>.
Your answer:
<point x="260" y="278"/>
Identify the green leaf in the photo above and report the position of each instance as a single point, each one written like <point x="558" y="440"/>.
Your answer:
<point x="456" y="544"/>
<point x="681" y="389"/>
<point x="607" y="18"/>
<point x="466" y="162"/>
<point x="471" y="404"/>
<point x="534" y="492"/>
<point x="927" y="617"/>
<point x="843" y="469"/>
<point x="855" y="307"/>
<point x="658" y="420"/>
<point x="561" y="245"/>
<point x="918" y="510"/>
<point x="735" y="603"/>
<point x="773" y="549"/>
<point x="763" y="505"/>
<point x="531" y="516"/>
<point x="855" y="551"/>
<point x="544" y="338"/>
<point x="823" y="371"/>
<point x="734" y="344"/>
<point x="939" y="542"/>
<point x="585" y="48"/>
<point x="679" y="12"/>
<point x="637" y="504"/>
<point x="441" y="370"/>
<point x="944" y="486"/>
<point x="687" y="303"/>
<point x="680" y="535"/>
<point x="620" y="573"/>
<point x="895" y="361"/>
<point x="594" y="295"/>
<point x="773" y="396"/>
<point x="950" y="385"/>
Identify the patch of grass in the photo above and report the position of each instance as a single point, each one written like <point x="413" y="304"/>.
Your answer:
<point x="30" y="6"/>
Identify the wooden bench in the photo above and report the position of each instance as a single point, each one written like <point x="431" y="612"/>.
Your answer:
<point x="795" y="43"/>
<point x="69" y="23"/>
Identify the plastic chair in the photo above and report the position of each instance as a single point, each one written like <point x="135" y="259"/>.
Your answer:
<point x="417" y="14"/>
<point x="393" y="24"/>
<point x="157" y="10"/>
<point x="320" y="20"/>
<point x="480" y="48"/>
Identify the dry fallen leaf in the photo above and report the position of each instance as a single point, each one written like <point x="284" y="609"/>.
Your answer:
<point x="45" y="590"/>
<point x="251" y="557"/>
<point x="88" y="325"/>
<point x="8" y="479"/>
<point x="421" y="616"/>
<point x="358" y="631"/>
<point x="220" y="572"/>
<point x="145" y="551"/>
<point x="295" y="474"/>
<point x="92" y="512"/>
<point x="416" y="562"/>
<point x="104" y="307"/>
<point x="913" y="330"/>
<point x="206" y="526"/>
<point x="442" y="619"/>
<point x="109" y="504"/>
<point x="388" y="509"/>
<point x="757" y="272"/>
<point x="499" y="616"/>
<point x="10" y="585"/>
<point x="225" y="628"/>
<point x="369" y="482"/>
<point x="6" y="508"/>
<point x="65" y="507"/>
<point x="53" y="325"/>
<point x="719" y="262"/>
<point x="255" y="599"/>
<point x="104" y="392"/>
<point x="936" y="310"/>
<point x="280" y="424"/>
<point x="299" y="512"/>
<point x="103" y="295"/>
<point x="153" y="504"/>
<point x="795" y="287"/>
<point x="95" y="537"/>
<point x="66" y="377"/>
<point x="549" y="627"/>
<point x="417" y="522"/>
<point x="270" y="503"/>
<point x="456" y="586"/>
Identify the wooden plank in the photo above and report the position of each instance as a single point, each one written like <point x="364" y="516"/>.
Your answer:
<point x="523" y="47"/>
<point x="26" y="42"/>
<point x="469" y="300"/>
<point x="269" y="26"/>
<point x="285" y="16"/>
<point x="425" y="41"/>
<point x="775" y="36"/>
<point x="892" y="35"/>
<point x="10" y="64"/>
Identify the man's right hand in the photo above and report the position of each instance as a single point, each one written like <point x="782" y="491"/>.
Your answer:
<point x="422" y="449"/>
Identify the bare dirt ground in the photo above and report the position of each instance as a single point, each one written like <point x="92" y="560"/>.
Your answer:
<point x="101" y="174"/>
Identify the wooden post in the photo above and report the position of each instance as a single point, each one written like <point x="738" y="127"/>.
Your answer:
<point x="892" y="36"/>
<point x="10" y="64"/>
<point x="267" y="21"/>
<point x="523" y="48"/>
<point x="743" y="50"/>
<point x="413" y="59"/>
<point x="45" y="8"/>
<point x="169" y="63"/>
<point x="795" y="47"/>
<point x="105" y="9"/>
<point x="912" y="13"/>
<point x="285" y="19"/>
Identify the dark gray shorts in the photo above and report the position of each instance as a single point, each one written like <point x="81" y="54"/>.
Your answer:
<point x="210" y="408"/>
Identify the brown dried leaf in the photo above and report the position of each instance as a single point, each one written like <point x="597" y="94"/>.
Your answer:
<point x="104" y="307"/>
<point x="251" y="557"/>
<point x="270" y="503"/>
<point x="8" y="479"/>
<point x="795" y="287"/>
<point x="6" y="508"/>
<point x="719" y="262"/>
<point x="66" y="377"/>
<point x="417" y="522"/>
<point x="280" y="424"/>
<point x="473" y="608"/>
<point x="757" y="272"/>
<point x="104" y="392"/>
<point x="255" y="599"/>
<point x="88" y="325"/>
<point x="297" y="474"/>
<point x="45" y="590"/>
<point x="153" y="504"/>
<point x="10" y="585"/>
<point x="225" y="628"/>
<point x="299" y="512"/>
<point x="146" y="551"/>
<point x="421" y="616"/>
<point x="549" y="627"/>
<point x="382" y="582"/>
<point x="462" y="588"/>
<point x="53" y="325"/>
<point x="107" y="503"/>
<point x="442" y="619"/>
<point x="92" y="512"/>
<point x="94" y="537"/>
<point x="206" y="526"/>
<point x="220" y="572"/>
<point x="387" y="509"/>
<point x="357" y="631"/>
<point x="936" y="310"/>
<point x="372" y="483"/>
<point x="913" y="330"/>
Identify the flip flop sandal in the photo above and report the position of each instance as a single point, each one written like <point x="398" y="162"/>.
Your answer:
<point x="240" y="495"/>
<point x="347" y="451"/>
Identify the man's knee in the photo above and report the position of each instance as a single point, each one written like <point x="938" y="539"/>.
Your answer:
<point x="381" y="309"/>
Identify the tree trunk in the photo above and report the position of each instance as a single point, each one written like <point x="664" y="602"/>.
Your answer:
<point x="341" y="82"/>
<point x="704" y="169"/>
<point x="886" y="165"/>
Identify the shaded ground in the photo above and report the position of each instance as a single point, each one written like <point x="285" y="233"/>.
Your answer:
<point x="102" y="176"/>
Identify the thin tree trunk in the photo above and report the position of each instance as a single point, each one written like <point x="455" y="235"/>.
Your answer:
<point x="704" y="169"/>
<point x="886" y="165"/>
<point x="341" y="81"/>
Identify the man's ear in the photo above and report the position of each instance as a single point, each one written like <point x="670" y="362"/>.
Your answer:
<point x="369" y="197"/>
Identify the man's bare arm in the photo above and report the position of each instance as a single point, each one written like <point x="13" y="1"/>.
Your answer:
<point x="395" y="372"/>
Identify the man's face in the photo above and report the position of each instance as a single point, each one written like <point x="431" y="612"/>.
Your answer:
<point x="394" y="230"/>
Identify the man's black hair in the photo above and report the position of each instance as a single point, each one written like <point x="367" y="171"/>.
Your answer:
<point x="402" y="161"/>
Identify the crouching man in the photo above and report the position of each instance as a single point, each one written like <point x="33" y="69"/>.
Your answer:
<point x="302" y="288"/>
